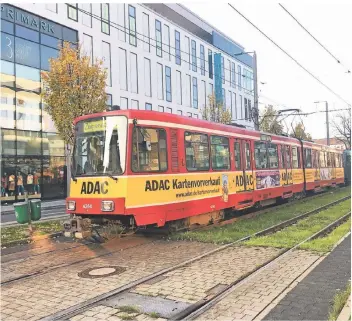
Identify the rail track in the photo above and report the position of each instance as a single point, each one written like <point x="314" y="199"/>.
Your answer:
<point x="201" y="306"/>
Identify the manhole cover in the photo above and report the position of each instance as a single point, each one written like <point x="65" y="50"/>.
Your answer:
<point x="101" y="272"/>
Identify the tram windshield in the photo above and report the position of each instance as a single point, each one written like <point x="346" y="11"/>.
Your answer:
<point x="100" y="146"/>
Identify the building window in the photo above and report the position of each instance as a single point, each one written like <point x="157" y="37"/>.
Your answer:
<point x="105" y="18"/>
<point x="197" y="151"/>
<point x="234" y="106"/>
<point x="249" y="109"/>
<point x="123" y="69"/>
<point x="51" y="7"/>
<point x="134" y="104"/>
<point x="211" y="90"/>
<point x="194" y="56"/>
<point x="166" y="35"/>
<point x="148" y="106"/>
<point x="245" y="109"/>
<point x="229" y="101"/>
<point x="122" y="20"/>
<point x="210" y="63"/>
<point x="88" y="46"/>
<point x="132" y="25"/>
<point x="147" y="78"/>
<point x="161" y="109"/>
<point x="188" y="91"/>
<point x="239" y="77"/>
<point x="179" y="112"/>
<point x="87" y="14"/>
<point x="72" y="11"/>
<point x="160" y="81"/>
<point x="169" y="110"/>
<point x="124" y="103"/>
<point x="177" y="48"/>
<point x="223" y="69"/>
<point x="233" y="75"/>
<point x="188" y="51"/>
<point x="134" y="73"/>
<point x="108" y="102"/>
<point x="195" y="92"/>
<point x="158" y="36"/>
<point x="107" y="62"/>
<point x="178" y="87"/>
<point x="203" y="94"/>
<point x="146" y="32"/>
<point x="168" y="83"/>
<point x="202" y="60"/>
<point x="223" y="98"/>
<point x="149" y="153"/>
<point x="220" y="152"/>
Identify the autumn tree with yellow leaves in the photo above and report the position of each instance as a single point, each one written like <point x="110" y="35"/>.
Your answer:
<point x="73" y="87"/>
<point x="216" y="112"/>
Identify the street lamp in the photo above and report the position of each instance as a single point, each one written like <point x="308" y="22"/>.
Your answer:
<point x="327" y="120"/>
<point x="255" y="81"/>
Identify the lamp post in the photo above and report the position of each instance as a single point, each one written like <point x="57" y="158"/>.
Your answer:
<point x="255" y="87"/>
<point x="327" y="120"/>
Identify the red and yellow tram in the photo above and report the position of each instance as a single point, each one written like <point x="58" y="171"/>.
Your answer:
<point x="147" y="168"/>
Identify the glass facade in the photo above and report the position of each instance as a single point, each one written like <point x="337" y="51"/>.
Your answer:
<point x="32" y="154"/>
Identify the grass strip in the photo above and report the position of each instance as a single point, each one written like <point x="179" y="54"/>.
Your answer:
<point x="294" y="234"/>
<point x="326" y="243"/>
<point x="20" y="233"/>
<point x="233" y="232"/>
<point x="339" y="302"/>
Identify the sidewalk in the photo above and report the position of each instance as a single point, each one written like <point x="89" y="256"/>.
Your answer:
<point x="9" y="209"/>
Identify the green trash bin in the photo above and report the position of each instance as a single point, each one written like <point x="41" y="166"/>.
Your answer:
<point x="36" y="210"/>
<point x="21" y="212"/>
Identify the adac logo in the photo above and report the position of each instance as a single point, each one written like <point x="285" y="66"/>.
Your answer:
<point x="94" y="188"/>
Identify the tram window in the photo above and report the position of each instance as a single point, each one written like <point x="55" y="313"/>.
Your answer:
<point x="237" y="155"/>
<point x="315" y="159"/>
<point x="149" y="153"/>
<point x="197" y="151"/>
<point x="288" y="157"/>
<point x="273" y="157"/>
<point x="322" y="159"/>
<point x="282" y="156"/>
<point x="295" y="157"/>
<point x="308" y="158"/>
<point x="220" y="152"/>
<point x="260" y="154"/>
<point x="247" y="155"/>
<point x="328" y="161"/>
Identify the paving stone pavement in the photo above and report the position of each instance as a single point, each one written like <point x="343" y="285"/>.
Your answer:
<point x="11" y="269"/>
<point x="249" y="299"/>
<point x="313" y="296"/>
<point x="102" y="313"/>
<point x="37" y="297"/>
<point x="192" y="282"/>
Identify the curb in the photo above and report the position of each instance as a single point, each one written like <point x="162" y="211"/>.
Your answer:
<point x="44" y="219"/>
<point x="28" y="241"/>
<point x="43" y="208"/>
<point x="346" y="311"/>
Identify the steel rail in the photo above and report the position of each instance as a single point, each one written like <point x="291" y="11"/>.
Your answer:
<point x="78" y="308"/>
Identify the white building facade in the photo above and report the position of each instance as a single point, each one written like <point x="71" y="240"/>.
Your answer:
<point x="159" y="57"/>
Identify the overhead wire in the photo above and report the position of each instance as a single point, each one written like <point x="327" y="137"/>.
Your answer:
<point x="293" y="59"/>
<point x="320" y="44"/>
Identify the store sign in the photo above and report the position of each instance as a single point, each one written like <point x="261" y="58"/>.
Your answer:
<point x="26" y="19"/>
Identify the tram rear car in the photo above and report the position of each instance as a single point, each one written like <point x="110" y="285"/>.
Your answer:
<point x="145" y="168"/>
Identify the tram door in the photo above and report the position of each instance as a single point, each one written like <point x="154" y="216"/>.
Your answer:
<point x="247" y="165"/>
<point x="288" y="160"/>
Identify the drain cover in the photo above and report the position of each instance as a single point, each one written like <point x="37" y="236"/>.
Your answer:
<point x="101" y="272"/>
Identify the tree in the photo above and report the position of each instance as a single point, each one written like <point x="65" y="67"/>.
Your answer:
<point x="216" y="112"/>
<point x="342" y="128"/>
<point x="300" y="133"/>
<point x="73" y="87"/>
<point x="269" y="121"/>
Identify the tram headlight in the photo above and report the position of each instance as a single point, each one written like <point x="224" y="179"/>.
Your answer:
<point x="71" y="205"/>
<point x="107" y="206"/>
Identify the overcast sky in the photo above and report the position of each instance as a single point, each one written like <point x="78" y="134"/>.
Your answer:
<point x="287" y="85"/>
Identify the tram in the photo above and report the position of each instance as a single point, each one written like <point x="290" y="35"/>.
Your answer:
<point x="150" y="169"/>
